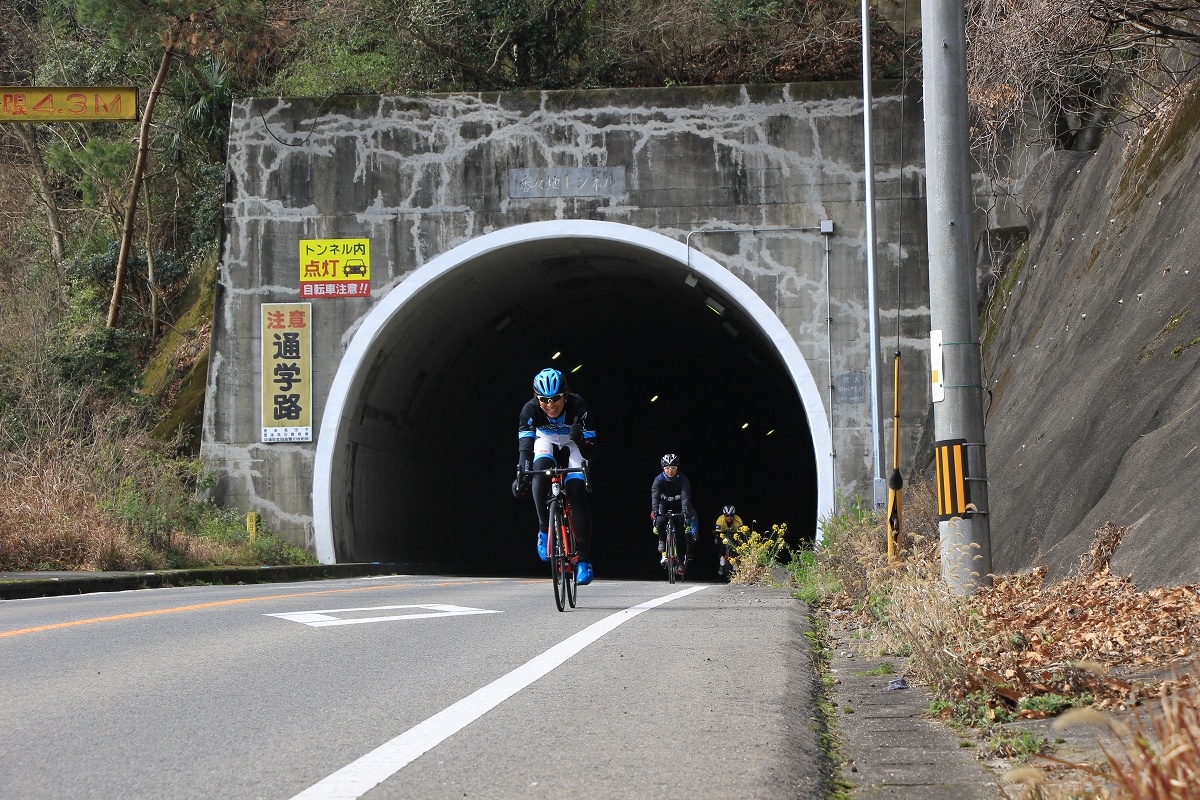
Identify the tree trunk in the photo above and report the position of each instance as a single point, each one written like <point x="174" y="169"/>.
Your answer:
<point x="150" y="273"/>
<point x="114" y="307"/>
<point x="57" y="248"/>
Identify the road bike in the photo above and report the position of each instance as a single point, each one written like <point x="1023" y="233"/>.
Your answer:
<point x="725" y="552"/>
<point x="561" y="549"/>
<point x="676" y="561"/>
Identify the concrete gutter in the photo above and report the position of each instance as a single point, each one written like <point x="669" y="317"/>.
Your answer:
<point x="22" y="585"/>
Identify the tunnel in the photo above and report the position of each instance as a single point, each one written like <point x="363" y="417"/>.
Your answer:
<point x="418" y="444"/>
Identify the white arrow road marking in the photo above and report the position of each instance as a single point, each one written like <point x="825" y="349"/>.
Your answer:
<point x="359" y="777"/>
<point x="322" y="619"/>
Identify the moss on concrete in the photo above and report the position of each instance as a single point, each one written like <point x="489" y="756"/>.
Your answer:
<point x="177" y="372"/>
<point x="1163" y="145"/>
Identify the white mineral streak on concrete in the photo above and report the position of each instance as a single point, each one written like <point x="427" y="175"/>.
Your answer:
<point x="244" y="460"/>
<point x="416" y="148"/>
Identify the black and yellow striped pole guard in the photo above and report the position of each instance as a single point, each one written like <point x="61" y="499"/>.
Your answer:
<point x="950" y="458"/>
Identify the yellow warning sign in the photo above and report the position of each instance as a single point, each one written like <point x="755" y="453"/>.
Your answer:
<point x="335" y="268"/>
<point x="287" y="372"/>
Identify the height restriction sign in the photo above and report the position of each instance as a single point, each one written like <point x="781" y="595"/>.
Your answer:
<point x="287" y="372"/>
<point x="335" y="268"/>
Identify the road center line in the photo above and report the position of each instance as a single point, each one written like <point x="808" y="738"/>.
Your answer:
<point x="359" y="777"/>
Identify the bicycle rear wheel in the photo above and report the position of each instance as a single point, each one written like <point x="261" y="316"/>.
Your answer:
<point x="670" y="550"/>
<point x="557" y="556"/>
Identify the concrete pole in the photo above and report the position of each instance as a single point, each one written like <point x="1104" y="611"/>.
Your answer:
<point x="953" y="303"/>
<point x="879" y="487"/>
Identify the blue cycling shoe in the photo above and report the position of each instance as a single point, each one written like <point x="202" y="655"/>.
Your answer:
<point x="583" y="573"/>
<point x="542" y="547"/>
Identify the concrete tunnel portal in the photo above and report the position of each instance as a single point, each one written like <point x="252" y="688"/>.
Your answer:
<point x="417" y="446"/>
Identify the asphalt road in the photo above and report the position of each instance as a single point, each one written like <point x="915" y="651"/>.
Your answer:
<point x="408" y="687"/>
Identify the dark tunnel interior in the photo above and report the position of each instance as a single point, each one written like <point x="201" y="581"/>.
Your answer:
<point x="665" y="366"/>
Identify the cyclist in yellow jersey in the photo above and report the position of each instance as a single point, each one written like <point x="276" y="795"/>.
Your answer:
<point x="727" y="525"/>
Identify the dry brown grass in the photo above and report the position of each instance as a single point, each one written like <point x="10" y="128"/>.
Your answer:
<point x="49" y="517"/>
<point x="82" y="485"/>
<point x="988" y="657"/>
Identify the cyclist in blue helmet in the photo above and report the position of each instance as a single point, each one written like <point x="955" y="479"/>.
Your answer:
<point x="556" y="427"/>
<point x="672" y="491"/>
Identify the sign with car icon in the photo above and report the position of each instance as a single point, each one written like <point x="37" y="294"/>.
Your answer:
<point x="335" y="268"/>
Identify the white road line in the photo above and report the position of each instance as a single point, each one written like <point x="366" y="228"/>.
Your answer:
<point x="359" y="777"/>
<point x="322" y="619"/>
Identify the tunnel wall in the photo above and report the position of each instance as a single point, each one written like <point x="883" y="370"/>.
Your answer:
<point x="420" y="176"/>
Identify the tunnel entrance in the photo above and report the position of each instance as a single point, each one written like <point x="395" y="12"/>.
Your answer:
<point x="418" y="447"/>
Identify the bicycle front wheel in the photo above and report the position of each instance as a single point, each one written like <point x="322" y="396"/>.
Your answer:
<point x="572" y="557"/>
<point x="558" y="558"/>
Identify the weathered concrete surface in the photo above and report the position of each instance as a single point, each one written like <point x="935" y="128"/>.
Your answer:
<point x="1093" y="367"/>
<point x="425" y="177"/>
<point x="889" y="747"/>
<point x="420" y="176"/>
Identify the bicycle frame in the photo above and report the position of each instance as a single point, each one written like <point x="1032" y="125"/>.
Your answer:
<point x="674" y="529"/>
<point x="561" y="548"/>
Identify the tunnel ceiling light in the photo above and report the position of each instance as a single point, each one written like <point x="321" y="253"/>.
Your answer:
<point x="691" y="280"/>
<point x="503" y="323"/>
<point x="556" y="355"/>
<point x="770" y="432"/>
<point x="714" y="305"/>
<point x="577" y="369"/>
<point x="732" y="331"/>
<point x="745" y="425"/>
<point x="654" y="399"/>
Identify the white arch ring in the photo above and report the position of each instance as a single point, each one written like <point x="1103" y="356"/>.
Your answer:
<point x="362" y="348"/>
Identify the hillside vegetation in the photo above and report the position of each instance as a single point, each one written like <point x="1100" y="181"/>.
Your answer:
<point x="109" y="231"/>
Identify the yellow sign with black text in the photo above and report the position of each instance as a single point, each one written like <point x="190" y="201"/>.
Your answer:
<point x="287" y="372"/>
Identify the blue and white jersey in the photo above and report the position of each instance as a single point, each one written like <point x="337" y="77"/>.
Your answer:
<point x="539" y="435"/>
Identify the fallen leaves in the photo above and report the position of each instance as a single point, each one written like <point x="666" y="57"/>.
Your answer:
<point x="1073" y="634"/>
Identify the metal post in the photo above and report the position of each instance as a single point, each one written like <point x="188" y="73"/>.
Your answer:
<point x="879" y="487"/>
<point x="966" y="539"/>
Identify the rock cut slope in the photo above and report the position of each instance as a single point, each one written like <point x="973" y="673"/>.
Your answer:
<point x="1091" y="352"/>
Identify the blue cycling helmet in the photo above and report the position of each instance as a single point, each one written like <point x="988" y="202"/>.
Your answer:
<point x="548" y="382"/>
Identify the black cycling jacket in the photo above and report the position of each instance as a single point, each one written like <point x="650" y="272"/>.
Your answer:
<point x="671" y="494"/>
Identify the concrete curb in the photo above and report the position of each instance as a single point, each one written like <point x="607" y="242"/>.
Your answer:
<point x="19" y="586"/>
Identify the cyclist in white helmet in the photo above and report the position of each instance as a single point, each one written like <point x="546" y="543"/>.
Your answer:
<point x="557" y="424"/>
<point x="672" y="491"/>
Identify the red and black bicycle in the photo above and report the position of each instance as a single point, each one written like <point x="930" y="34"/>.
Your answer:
<point x="561" y="549"/>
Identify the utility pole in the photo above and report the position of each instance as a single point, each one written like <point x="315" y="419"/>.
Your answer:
<point x="879" y="488"/>
<point x="955" y="353"/>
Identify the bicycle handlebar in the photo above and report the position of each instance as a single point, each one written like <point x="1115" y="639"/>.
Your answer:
<point x="554" y="471"/>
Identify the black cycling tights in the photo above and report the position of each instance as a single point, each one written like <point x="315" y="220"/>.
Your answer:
<point x="581" y="510"/>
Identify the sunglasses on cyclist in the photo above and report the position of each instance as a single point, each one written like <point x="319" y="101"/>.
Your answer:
<point x="552" y="399"/>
